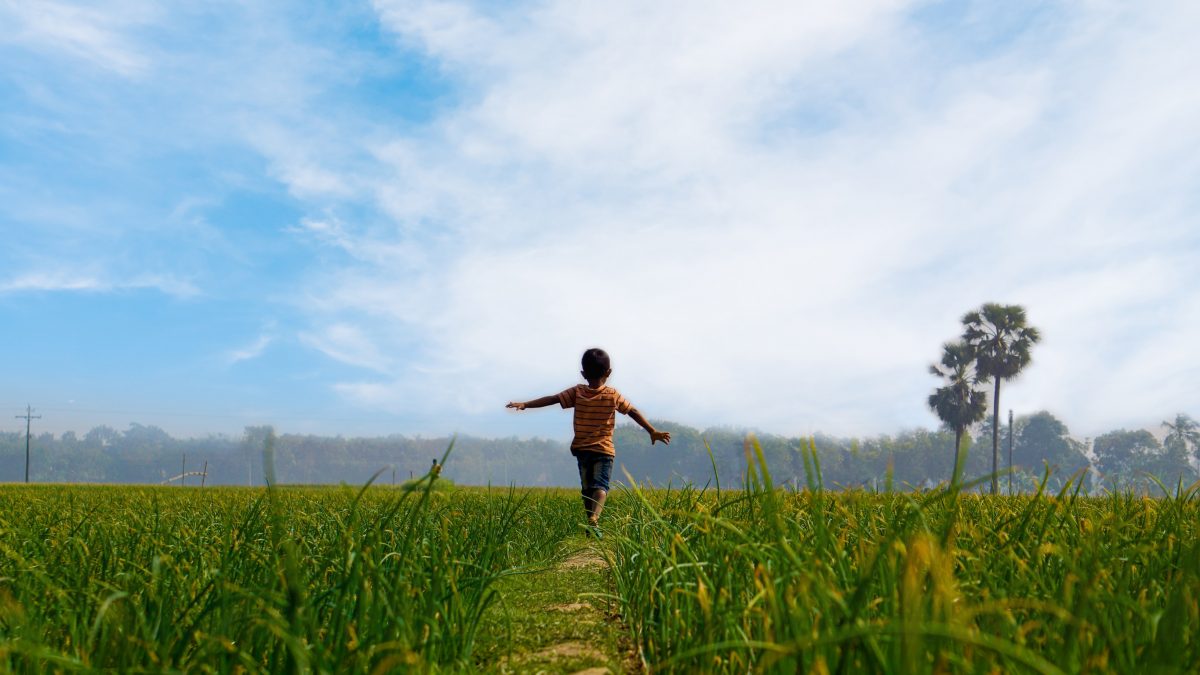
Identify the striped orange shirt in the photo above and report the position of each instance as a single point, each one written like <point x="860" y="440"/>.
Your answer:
<point x="595" y="417"/>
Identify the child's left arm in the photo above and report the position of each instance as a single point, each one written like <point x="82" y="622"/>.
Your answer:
<point x="655" y="435"/>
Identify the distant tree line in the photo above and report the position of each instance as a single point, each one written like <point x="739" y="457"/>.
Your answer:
<point x="147" y="454"/>
<point x="1119" y="460"/>
<point x="995" y="346"/>
<point x="1122" y="460"/>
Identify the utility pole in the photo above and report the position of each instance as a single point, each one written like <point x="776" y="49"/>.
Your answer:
<point x="27" y="417"/>
<point x="1010" y="446"/>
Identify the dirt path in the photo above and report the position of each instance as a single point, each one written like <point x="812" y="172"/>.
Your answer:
<point x="551" y="621"/>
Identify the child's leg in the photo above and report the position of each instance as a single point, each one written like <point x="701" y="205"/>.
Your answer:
<point x="601" y="473"/>
<point x="595" y="469"/>
<point x="597" y="505"/>
<point x="586" y="468"/>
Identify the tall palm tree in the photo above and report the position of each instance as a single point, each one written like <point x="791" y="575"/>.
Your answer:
<point x="958" y="404"/>
<point x="1001" y="340"/>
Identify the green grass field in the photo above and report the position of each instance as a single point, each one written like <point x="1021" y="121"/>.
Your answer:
<point x="156" y="579"/>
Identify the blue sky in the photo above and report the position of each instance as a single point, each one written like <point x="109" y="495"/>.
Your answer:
<point x="392" y="217"/>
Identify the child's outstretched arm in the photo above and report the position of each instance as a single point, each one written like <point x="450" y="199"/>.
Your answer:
<point x="655" y="436"/>
<point x="535" y="403"/>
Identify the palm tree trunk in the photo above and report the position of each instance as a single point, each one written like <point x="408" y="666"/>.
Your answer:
<point x="954" y="477"/>
<point x="996" y="437"/>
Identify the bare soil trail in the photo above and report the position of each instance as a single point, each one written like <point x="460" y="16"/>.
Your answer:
<point x="558" y="620"/>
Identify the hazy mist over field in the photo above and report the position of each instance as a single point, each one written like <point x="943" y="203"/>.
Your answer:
<point x="388" y="217"/>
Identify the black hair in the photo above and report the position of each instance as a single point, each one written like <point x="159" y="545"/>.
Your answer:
<point x="595" y="363"/>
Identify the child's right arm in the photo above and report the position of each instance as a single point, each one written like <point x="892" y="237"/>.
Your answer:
<point x="535" y="403"/>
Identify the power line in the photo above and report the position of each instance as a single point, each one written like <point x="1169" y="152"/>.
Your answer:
<point x="28" y="416"/>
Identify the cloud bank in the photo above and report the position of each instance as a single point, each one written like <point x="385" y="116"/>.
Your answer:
<point x="774" y="217"/>
<point x="770" y="215"/>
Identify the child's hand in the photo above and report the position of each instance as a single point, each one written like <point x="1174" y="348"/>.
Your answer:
<point x="515" y="404"/>
<point x="664" y="436"/>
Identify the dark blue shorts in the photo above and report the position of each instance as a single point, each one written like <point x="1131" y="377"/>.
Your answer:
<point x="595" y="470"/>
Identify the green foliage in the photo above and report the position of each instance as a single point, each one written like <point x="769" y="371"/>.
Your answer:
<point x="1044" y="439"/>
<point x="1124" y="451"/>
<point x="765" y="580"/>
<point x="1001" y="341"/>
<point x="917" y="457"/>
<point x="150" y="579"/>
<point x="146" y="454"/>
<point x="958" y="404"/>
<point x="913" y="458"/>
<point x="1183" y="438"/>
<point x="551" y="605"/>
<point x="441" y="485"/>
<point x="1135" y="460"/>
<point x="758" y="579"/>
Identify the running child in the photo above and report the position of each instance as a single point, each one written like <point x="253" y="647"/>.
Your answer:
<point x="596" y="405"/>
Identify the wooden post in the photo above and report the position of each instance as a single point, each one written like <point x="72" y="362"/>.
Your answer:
<point x="204" y="476"/>
<point x="183" y="471"/>
<point x="27" y="417"/>
<point x="1010" y="448"/>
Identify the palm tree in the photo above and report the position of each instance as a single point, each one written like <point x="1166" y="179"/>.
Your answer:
<point x="1001" y="342"/>
<point x="1184" y="433"/>
<point x="958" y="404"/>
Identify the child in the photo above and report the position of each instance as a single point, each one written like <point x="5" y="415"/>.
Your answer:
<point x="595" y="416"/>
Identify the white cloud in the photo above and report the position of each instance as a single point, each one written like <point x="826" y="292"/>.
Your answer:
<point x="771" y="214"/>
<point x="251" y="351"/>
<point x="295" y="166"/>
<point x="95" y="35"/>
<point x="646" y="179"/>
<point x="52" y="282"/>
<point x="61" y="280"/>
<point x="348" y="344"/>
